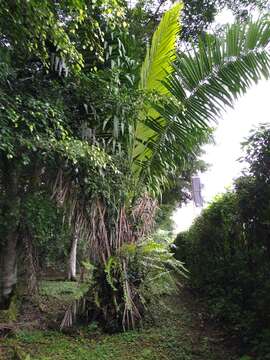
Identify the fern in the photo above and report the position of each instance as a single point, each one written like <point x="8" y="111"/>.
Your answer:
<point x="111" y="266"/>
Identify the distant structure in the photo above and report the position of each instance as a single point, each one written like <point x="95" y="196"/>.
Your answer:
<point x="197" y="191"/>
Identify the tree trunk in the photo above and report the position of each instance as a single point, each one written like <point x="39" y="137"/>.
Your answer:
<point x="8" y="269"/>
<point x="73" y="256"/>
<point x="9" y="234"/>
<point x="28" y="236"/>
<point x="30" y="264"/>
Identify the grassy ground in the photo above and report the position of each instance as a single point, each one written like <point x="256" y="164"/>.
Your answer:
<point x="176" y="331"/>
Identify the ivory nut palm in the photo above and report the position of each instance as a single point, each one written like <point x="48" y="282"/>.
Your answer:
<point x="187" y="92"/>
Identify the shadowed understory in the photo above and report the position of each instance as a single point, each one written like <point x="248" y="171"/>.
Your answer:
<point x="176" y="331"/>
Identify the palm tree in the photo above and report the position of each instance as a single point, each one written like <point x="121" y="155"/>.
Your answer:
<point x="185" y="92"/>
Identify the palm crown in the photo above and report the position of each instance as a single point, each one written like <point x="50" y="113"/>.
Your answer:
<point x="192" y="89"/>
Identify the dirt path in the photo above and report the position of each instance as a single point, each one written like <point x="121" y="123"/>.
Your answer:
<point x="176" y="331"/>
<point x="201" y="339"/>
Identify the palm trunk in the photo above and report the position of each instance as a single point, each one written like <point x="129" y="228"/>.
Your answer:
<point x="73" y="257"/>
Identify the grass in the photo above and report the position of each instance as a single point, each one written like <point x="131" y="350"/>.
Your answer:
<point x="173" y="334"/>
<point x="150" y="344"/>
<point x="62" y="290"/>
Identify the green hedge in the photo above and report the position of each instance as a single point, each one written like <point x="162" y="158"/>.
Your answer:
<point x="228" y="258"/>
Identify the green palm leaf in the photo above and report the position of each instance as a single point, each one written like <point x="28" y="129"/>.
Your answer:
<point x="156" y="67"/>
<point x="204" y="81"/>
<point x="159" y="57"/>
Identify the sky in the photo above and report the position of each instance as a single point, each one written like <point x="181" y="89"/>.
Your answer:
<point x="250" y="110"/>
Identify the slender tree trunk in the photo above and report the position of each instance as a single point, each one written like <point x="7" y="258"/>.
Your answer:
<point x="73" y="256"/>
<point x="30" y="264"/>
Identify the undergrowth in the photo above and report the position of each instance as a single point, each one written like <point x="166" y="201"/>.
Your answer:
<point x="171" y="332"/>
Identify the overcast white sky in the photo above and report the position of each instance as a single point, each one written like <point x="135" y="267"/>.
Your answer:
<point x="249" y="111"/>
<point x="233" y="128"/>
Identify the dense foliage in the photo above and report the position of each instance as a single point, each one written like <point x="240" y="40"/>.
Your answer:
<point x="96" y="127"/>
<point x="227" y="249"/>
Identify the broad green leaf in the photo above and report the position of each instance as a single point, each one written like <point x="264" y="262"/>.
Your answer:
<point x="156" y="67"/>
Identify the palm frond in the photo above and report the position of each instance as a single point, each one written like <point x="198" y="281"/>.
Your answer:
<point x="156" y="67"/>
<point x="159" y="57"/>
<point x="204" y="82"/>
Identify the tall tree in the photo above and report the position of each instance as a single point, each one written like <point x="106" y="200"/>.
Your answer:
<point x="40" y="45"/>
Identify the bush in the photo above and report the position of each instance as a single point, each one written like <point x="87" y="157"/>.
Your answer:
<point x="227" y="249"/>
<point x="121" y="290"/>
<point x="228" y="266"/>
<point x="140" y="274"/>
